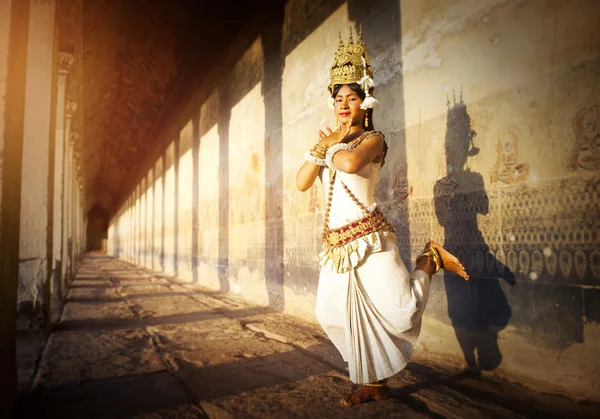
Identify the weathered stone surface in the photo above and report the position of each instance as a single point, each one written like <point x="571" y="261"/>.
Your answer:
<point x="31" y="294"/>
<point x="230" y="359"/>
<point x="29" y="346"/>
<point x="72" y="357"/>
<point x="151" y="396"/>
<point x="35" y="197"/>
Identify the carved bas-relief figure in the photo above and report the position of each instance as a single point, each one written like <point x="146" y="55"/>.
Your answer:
<point x="478" y="309"/>
<point x="586" y="150"/>
<point x="393" y="190"/>
<point x="507" y="169"/>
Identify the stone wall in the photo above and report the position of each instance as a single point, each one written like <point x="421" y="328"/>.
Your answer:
<point x="491" y="110"/>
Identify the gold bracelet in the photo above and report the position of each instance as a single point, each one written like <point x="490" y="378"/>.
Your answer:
<point x="320" y="147"/>
<point x="318" y="154"/>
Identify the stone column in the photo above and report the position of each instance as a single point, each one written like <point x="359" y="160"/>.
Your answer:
<point x="71" y="108"/>
<point x="33" y="250"/>
<point x="81" y="231"/>
<point x="69" y="194"/>
<point x="81" y="219"/>
<point x="74" y="208"/>
<point x="65" y="61"/>
<point x="77" y="208"/>
<point x="84" y="237"/>
<point x="5" y="5"/>
<point x="14" y="30"/>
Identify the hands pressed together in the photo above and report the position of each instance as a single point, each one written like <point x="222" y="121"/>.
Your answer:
<point x="316" y="157"/>
<point x="329" y="137"/>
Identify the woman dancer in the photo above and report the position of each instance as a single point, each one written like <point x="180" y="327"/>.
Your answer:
<point x="368" y="303"/>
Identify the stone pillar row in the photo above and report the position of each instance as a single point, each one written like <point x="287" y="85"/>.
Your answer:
<point x="41" y="187"/>
<point x="69" y="232"/>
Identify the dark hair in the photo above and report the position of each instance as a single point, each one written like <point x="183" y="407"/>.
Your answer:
<point x="361" y="93"/>
<point x="354" y="86"/>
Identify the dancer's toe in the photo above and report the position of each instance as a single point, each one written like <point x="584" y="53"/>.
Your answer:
<point x="346" y="400"/>
<point x="449" y="261"/>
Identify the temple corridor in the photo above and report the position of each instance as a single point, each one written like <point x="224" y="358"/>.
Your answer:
<point x="131" y="343"/>
<point x="157" y="258"/>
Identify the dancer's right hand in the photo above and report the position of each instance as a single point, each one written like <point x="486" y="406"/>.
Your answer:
<point x="329" y="137"/>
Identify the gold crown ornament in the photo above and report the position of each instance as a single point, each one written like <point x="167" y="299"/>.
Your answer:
<point x="351" y="65"/>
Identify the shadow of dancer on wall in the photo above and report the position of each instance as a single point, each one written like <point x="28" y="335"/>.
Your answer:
<point x="478" y="309"/>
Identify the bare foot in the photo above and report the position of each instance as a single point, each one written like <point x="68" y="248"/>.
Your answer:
<point x="449" y="261"/>
<point x="365" y="394"/>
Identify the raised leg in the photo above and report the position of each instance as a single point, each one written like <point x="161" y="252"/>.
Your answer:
<point x="449" y="262"/>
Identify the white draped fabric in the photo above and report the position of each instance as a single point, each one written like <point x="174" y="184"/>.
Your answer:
<point x="369" y="305"/>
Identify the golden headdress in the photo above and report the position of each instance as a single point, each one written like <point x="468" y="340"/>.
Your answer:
<point x="351" y="65"/>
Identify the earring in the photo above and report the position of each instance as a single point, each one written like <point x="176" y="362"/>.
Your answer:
<point x="366" y="121"/>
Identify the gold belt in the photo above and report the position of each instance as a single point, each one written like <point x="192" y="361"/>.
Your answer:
<point x="357" y="229"/>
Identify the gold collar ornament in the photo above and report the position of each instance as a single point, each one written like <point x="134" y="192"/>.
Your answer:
<point x="351" y="65"/>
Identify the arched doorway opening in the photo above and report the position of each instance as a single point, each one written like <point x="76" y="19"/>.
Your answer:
<point x="97" y="229"/>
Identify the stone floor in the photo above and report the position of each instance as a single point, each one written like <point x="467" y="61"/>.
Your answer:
<point x="131" y="344"/>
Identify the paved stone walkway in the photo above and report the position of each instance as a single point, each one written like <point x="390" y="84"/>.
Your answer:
<point x="131" y="344"/>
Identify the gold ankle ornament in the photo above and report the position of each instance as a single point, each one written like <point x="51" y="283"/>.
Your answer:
<point x="433" y="253"/>
<point x="380" y="383"/>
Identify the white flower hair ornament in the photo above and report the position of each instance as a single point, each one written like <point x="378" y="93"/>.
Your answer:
<point x="366" y="83"/>
<point x="331" y="103"/>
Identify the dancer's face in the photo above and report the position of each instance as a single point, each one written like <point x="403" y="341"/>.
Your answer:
<point x="347" y="105"/>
